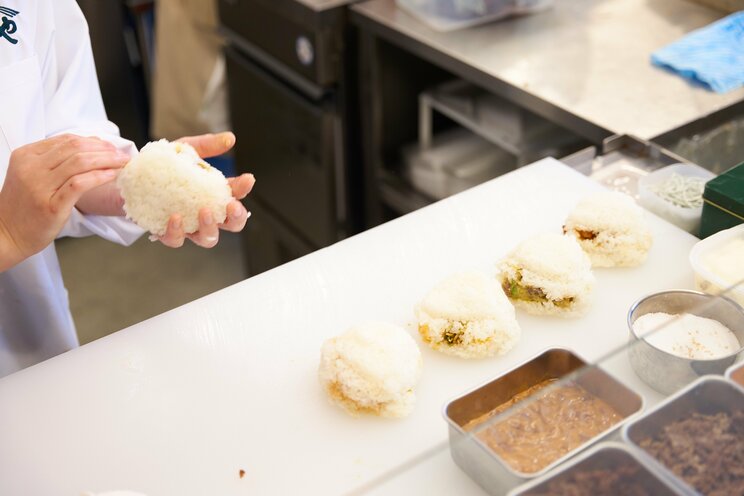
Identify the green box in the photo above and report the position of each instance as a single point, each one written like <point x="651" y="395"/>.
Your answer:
<point x="723" y="205"/>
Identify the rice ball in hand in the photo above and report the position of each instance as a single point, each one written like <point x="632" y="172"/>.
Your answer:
<point x="170" y="178"/>
<point x="548" y="274"/>
<point x="467" y="315"/>
<point x="372" y="368"/>
<point x="611" y="229"/>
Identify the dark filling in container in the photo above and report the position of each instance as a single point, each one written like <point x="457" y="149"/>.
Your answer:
<point x="622" y="480"/>
<point x="707" y="451"/>
<point x="516" y="290"/>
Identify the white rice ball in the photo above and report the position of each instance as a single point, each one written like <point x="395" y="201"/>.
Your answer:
<point x="611" y="229"/>
<point x="170" y="178"/>
<point x="548" y="274"/>
<point x="372" y="368"/>
<point x="468" y="315"/>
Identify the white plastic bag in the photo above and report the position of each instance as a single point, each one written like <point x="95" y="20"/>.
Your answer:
<point x="447" y="15"/>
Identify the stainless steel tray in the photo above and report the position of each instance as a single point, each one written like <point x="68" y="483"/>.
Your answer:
<point x="621" y="162"/>
<point x="607" y="456"/>
<point x="710" y="394"/>
<point x="484" y="466"/>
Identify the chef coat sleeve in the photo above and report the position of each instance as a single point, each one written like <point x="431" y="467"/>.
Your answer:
<point x="73" y="104"/>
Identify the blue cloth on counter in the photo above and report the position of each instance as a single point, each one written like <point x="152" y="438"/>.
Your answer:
<point x="712" y="56"/>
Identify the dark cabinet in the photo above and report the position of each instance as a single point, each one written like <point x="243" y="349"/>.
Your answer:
<point x="292" y="101"/>
<point x="289" y="143"/>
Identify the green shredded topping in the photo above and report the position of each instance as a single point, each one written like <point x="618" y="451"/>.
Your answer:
<point x="453" y="336"/>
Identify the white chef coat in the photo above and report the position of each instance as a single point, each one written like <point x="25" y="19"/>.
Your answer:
<point x="48" y="86"/>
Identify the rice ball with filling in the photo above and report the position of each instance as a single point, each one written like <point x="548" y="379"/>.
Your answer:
<point x="373" y="369"/>
<point x="548" y="274"/>
<point x="467" y="315"/>
<point x="611" y="228"/>
<point x="170" y="178"/>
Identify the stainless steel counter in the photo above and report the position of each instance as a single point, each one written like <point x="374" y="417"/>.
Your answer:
<point x="584" y="64"/>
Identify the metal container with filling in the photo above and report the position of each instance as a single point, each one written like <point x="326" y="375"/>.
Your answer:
<point x="667" y="372"/>
<point x="736" y="373"/>
<point x="708" y="396"/>
<point x="610" y="465"/>
<point x="492" y="471"/>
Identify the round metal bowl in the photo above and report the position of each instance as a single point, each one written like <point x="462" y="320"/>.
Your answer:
<point x="666" y="372"/>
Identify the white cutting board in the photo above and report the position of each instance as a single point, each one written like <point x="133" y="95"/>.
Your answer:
<point x="177" y="405"/>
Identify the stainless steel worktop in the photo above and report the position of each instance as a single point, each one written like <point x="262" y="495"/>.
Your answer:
<point x="584" y="63"/>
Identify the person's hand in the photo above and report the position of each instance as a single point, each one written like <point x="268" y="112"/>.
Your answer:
<point x="106" y="199"/>
<point x="211" y="145"/>
<point x="44" y="181"/>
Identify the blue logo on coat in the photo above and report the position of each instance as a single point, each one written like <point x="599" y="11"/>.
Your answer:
<point x="8" y="26"/>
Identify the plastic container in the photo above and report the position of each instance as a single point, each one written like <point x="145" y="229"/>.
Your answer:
<point x="446" y="15"/>
<point x="684" y="218"/>
<point x="704" y="251"/>
<point x="457" y="160"/>
<point x="440" y="184"/>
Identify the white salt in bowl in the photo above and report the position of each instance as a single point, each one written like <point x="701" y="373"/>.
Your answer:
<point x="667" y="372"/>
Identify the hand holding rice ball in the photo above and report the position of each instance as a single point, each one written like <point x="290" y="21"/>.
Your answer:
<point x="467" y="315"/>
<point x="373" y="369"/>
<point x="170" y="191"/>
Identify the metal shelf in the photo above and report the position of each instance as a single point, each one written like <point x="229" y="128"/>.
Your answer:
<point x="400" y="196"/>
<point x="497" y="120"/>
<point x="619" y="165"/>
